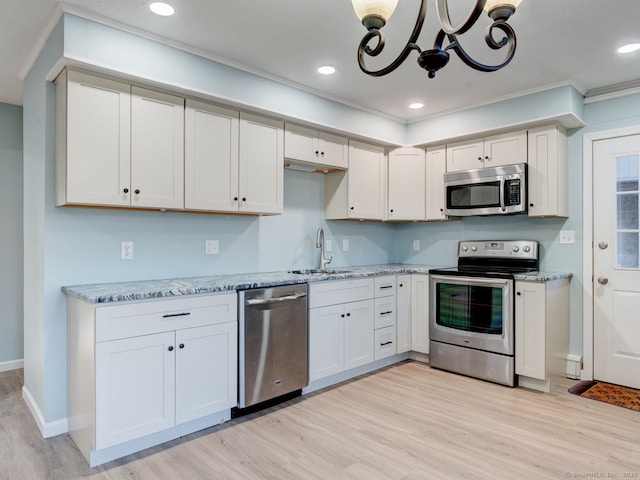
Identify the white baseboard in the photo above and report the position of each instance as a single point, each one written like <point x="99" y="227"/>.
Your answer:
<point x="11" y="365"/>
<point x="47" y="429"/>
<point x="574" y="366"/>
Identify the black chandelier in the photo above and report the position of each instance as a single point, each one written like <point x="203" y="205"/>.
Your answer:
<point x="375" y="13"/>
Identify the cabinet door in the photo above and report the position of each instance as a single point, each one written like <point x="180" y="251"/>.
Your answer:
<point x="436" y="167"/>
<point x="406" y="184"/>
<point x="403" y="313"/>
<point x="135" y="386"/>
<point x="157" y="149"/>
<point x="467" y="155"/>
<point x="206" y="370"/>
<point x="366" y="182"/>
<point x="211" y="157"/>
<point x="358" y="334"/>
<point x="98" y="136"/>
<point x="300" y="143"/>
<point x="505" y="149"/>
<point x="548" y="172"/>
<point x="530" y="314"/>
<point x="261" y="170"/>
<point x="333" y="150"/>
<point x="326" y="341"/>
<point x="420" y="313"/>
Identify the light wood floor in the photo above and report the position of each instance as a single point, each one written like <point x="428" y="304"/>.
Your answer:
<point x="405" y="422"/>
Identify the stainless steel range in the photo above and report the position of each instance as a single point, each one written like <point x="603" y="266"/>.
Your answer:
<point x="471" y="317"/>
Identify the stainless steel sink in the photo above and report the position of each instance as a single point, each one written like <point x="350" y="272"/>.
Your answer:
<point x="318" y="271"/>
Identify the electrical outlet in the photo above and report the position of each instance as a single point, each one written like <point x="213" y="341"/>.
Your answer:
<point x="345" y="245"/>
<point x="328" y="245"/>
<point x="211" y="247"/>
<point x="126" y="251"/>
<point x="567" y="237"/>
<point x="416" y="245"/>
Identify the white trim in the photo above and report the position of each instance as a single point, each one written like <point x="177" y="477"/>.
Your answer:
<point x="11" y="365"/>
<point x="47" y="429"/>
<point x="587" y="251"/>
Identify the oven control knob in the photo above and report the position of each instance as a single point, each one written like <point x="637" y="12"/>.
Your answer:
<point x="515" y="249"/>
<point x="465" y="248"/>
<point x="474" y="248"/>
<point x="527" y="248"/>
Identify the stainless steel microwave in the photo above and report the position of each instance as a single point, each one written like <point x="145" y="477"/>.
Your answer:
<point x="486" y="191"/>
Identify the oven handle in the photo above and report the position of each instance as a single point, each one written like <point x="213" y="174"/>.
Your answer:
<point x="457" y="279"/>
<point x="502" y="193"/>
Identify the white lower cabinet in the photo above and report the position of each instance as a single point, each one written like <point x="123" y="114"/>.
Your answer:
<point x="541" y="332"/>
<point x="160" y="369"/>
<point x="341" y="326"/>
<point x="420" y="313"/>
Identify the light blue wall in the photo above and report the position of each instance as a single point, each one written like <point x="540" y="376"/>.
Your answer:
<point x="11" y="331"/>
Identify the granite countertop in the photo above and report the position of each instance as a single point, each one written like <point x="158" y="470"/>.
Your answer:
<point x="144" y="289"/>
<point x="173" y="287"/>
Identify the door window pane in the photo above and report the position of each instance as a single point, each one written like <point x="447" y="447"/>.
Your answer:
<point x="627" y="212"/>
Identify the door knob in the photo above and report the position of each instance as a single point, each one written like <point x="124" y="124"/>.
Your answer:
<point x="603" y="245"/>
<point x="603" y="280"/>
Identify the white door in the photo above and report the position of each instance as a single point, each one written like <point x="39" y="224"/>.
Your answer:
<point x="616" y="165"/>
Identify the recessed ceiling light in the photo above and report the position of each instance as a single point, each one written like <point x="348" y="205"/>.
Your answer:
<point x="327" y="70"/>
<point x="416" y="106"/>
<point x="161" y="8"/>
<point x="629" y="48"/>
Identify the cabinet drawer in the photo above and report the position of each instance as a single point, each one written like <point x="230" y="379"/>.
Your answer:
<point x="385" y="342"/>
<point x="341" y="291"/>
<point x="149" y="317"/>
<point x="385" y="312"/>
<point x="385" y="286"/>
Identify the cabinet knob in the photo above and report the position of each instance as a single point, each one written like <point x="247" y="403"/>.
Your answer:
<point x="531" y="204"/>
<point x="348" y="314"/>
<point x="342" y="315"/>
<point x="126" y="190"/>
<point x="322" y="154"/>
<point x="244" y="199"/>
<point x="392" y="210"/>
<point x="317" y="152"/>
<point x="351" y="208"/>
<point x="170" y="348"/>
<point x="518" y="293"/>
<point x="486" y="157"/>
<point x="181" y="345"/>
<point x="480" y="158"/>
<point x="137" y="191"/>
<point x="235" y="199"/>
<point x="400" y="285"/>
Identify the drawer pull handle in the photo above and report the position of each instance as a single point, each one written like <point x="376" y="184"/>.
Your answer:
<point x="386" y="286"/>
<point x="386" y="343"/>
<point x="386" y="313"/>
<point x="170" y="315"/>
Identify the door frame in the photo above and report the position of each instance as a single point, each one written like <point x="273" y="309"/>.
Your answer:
<point x="588" y="246"/>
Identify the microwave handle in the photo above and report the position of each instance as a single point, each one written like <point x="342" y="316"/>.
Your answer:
<point x="502" y="193"/>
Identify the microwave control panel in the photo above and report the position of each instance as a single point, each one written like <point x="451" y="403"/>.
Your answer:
<point x="512" y="193"/>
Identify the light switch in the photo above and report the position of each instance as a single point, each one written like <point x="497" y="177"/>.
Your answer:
<point x="126" y="251"/>
<point x="416" y="245"/>
<point x="328" y="245"/>
<point x="211" y="247"/>
<point x="345" y="245"/>
<point x="567" y="237"/>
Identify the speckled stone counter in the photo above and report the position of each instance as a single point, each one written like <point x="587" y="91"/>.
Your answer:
<point x="542" y="276"/>
<point x="140" y="290"/>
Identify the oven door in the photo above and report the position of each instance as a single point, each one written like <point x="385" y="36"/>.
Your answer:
<point x="472" y="312"/>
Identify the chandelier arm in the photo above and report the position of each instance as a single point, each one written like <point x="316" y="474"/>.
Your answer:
<point x="442" y="9"/>
<point x="509" y="39"/>
<point x="364" y="48"/>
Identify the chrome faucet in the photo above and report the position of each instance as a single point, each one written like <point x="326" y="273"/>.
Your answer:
<point x="320" y="244"/>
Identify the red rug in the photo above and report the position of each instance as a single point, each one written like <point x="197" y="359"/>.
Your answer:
<point x="606" y="392"/>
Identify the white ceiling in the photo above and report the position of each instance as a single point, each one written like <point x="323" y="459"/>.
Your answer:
<point x="559" y="42"/>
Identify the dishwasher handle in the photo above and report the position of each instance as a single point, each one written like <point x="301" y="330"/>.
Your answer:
<point x="265" y="301"/>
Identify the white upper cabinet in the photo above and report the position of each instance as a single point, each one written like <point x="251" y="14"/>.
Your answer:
<point x="496" y="150"/>
<point x="436" y="167"/>
<point x="548" y="172"/>
<point x="211" y="157"/>
<point x="360" y="193"/>
<point x="261" y="165"/>
<point x="93" y="140"/>
<point x="117" y="145"/>
<point x="157" y="149"/>
<point x="314" y="148"/>
<point x="406" y="184"/>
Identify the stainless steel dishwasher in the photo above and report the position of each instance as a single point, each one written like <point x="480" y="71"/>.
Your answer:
<point x="273" y="343"/>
